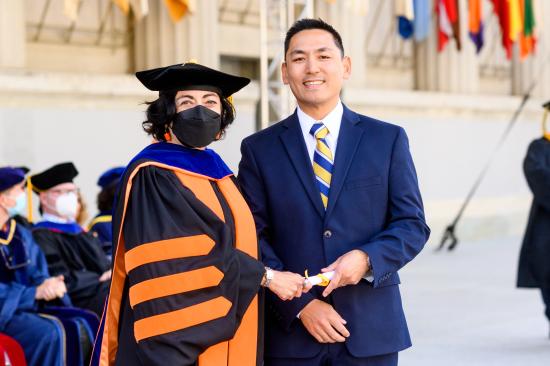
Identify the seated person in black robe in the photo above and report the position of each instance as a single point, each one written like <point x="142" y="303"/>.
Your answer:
<point x="69" y="250"/>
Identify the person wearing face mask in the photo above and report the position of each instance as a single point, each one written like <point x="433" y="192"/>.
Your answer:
<point x="186" y="276"/>
<point x="25" y="285"/>
<point x="69" y="250"/>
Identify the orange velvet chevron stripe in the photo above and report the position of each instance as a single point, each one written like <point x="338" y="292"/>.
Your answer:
<point x="181" y="319"/>
<point x="188" y="246"/>
<point x="174" y="284"/>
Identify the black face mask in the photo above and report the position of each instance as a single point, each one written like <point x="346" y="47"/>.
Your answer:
<point x="197" y="126"/>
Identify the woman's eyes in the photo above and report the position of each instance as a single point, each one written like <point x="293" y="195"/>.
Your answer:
<point x="189" y="102"/>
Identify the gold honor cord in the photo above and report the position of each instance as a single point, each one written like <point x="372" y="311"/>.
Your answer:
<point x="10" y="234"/>
<point x="545" y="134"/>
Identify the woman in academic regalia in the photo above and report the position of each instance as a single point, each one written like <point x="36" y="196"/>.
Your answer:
<point x="186" y="277"/>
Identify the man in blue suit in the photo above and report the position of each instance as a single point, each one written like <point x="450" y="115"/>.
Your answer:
<point x="332" y="190"/>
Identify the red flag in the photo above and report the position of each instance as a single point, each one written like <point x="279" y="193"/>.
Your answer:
<point x="448" y="23"/>
<point x="503" y="12"/>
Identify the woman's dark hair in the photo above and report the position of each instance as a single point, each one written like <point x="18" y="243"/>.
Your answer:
<point x="162" y="111"/>
<point x="309" y="23"/>
<point x="106" y="197"/>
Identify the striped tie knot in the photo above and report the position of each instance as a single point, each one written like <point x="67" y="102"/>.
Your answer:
<point x="319" y="130"/>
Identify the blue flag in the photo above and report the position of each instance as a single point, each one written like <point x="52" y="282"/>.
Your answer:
<point x="422" y="19"/>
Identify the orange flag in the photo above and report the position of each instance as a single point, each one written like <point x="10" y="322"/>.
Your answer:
<point x="179" y="8"/>
<point x="124" y="5"/>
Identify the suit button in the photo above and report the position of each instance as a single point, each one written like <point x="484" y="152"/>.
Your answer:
<point x="327" y="234"/>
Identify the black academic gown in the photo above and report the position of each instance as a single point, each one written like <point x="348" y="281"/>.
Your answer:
<point x="534" y="263"/>
<point x="77" y="256"/>
<point x="185" y="280"/>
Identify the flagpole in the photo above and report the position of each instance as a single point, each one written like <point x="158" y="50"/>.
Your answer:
<point x="449" y="236"/>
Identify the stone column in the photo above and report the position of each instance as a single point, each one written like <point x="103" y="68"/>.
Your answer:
<point x="160" y="42"/>
<point x="450" y="71"/>
<point x="12" y="34"/>
<point x="537" y="66"/>
<point x="352" y="26"/>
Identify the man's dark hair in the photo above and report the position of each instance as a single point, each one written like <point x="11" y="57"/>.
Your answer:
<point x="162" y="111"/>
<point x="106" y="197"/>
<point x="307" y="24"/>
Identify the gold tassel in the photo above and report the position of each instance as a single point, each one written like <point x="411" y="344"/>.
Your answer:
<point x="545" y="134"/>
<point x="29" y="199"/>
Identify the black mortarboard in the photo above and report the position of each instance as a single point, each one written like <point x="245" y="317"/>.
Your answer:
<point x="110" y="176"/>
<point x="191" y="76"/>
<point x="10" y="176"/>
<point x="57" y="174"/>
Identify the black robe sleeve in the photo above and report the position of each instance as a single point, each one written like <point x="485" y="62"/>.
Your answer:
<point x="536" y="167"/>
<point x="160" y="212"/>
<point x="77" y="257"/>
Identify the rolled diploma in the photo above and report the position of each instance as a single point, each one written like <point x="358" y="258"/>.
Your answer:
<point x="315" y="280"/>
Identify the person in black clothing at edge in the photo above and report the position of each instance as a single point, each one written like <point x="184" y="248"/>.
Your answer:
<point x="534" y="261"/>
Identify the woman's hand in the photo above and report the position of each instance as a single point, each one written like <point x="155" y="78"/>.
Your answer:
<point x="288" y="285"/>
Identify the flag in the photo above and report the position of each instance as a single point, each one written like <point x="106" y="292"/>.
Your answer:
<point x="448" y="23"/>
<point x="70" y="9"/>
<point x="502" y="10"/>
<point x="516" y="21"/>
<point x="123" y="5"/>
<point x="475" y="23"/>
<point x="511" y="22"/>
<point x="140" y="8"/>
<point x="422" y="19"/>
<point x="404" y="11"/>
<point x="179" y="8"/>
<point x="527" y="36"/>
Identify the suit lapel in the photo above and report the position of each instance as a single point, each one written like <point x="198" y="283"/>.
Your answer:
<point x="348" y="141"/>
<point x="293" y="141"/>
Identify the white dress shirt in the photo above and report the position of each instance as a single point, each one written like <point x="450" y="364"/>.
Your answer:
<point x="332" y="121"/>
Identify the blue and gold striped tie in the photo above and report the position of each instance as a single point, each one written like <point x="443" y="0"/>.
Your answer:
<point x="322" y="160"/>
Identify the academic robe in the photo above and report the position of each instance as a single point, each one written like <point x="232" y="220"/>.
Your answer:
<point x="534" y="262"/>
<point x="102" y="228"/>
<point x="185" y="281"/>
<point x="41" y="337"/>
<point x="77" y="256"/>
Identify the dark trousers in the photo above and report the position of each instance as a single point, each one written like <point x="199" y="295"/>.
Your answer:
<point x="335" y="354"/>
<point x="546" y="298"/>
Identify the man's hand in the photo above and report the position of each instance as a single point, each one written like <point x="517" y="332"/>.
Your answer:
<point x="348" y="269"/>
<point x="105" y="276"/>
<point x="323" y="322"/>
<point x="51" y="288"/>
<point x="288" y="285"/>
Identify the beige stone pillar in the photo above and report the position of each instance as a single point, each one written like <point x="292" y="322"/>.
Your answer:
<point x="159" y="42"/>
<point x="12" y="34"/>
<point x="352" y="26"/>
<point x="450" y="71"/>
<point x="537" y="66"/>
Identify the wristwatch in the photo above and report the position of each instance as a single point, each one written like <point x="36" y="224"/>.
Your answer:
<point x="268" y="275"/>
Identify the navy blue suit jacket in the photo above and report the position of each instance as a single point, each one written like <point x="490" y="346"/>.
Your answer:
<point x="374" y="205"/>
